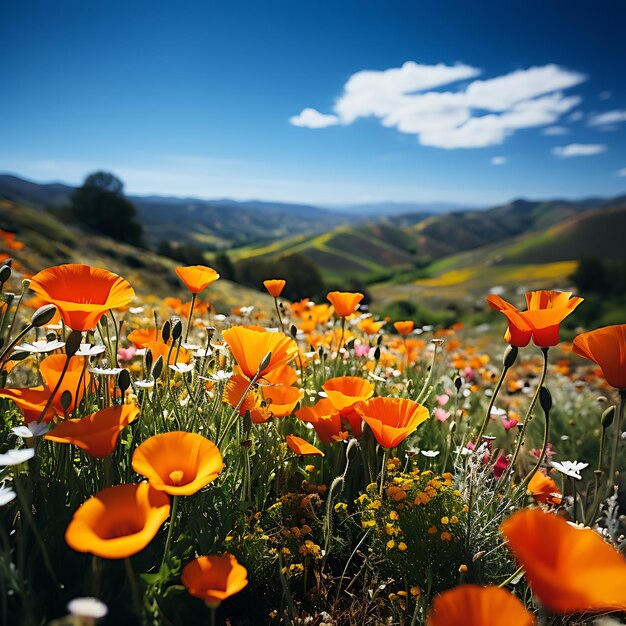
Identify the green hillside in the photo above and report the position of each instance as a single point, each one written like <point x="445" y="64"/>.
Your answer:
<point x="538" y="259"/>
<point x="48" y="241"/>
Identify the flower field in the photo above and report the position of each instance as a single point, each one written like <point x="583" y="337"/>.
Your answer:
<point x="306" y="464"/>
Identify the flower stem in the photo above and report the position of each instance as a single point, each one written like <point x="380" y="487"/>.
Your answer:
<point x="169" y="537"/>
<point x="617" y="436"/>
<point x="496" y="391"/>
<point x="529" y="412"/>
<point x="193" y="301"/>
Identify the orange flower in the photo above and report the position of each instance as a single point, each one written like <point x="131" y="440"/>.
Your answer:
<point x="404" y="328"/>
<point x="302" y="447"/>
<point x="197" y="277"/>
<point x="544" y="489"/>
<point x="325" y="419"/>
<point x="392" y="420"/>
<point x="607" y="347"/>
<point x="344" y="302"/>
<point x="214" y="578"/>
<point x="281" y="399"/>
<point x="344" y="392"/>
<point x="234" y="391"/>
<point x="178" y="463"/>
<point x="118" y="521"/>
<point x="546" y="311"/>
<point x="274" y="287"/>
<point x="81" y="293"/>
<point x="170" y="355"/>
<point x="142" y="336"/>
<point x="249" y="347"/>
<point x="569" y="569"/>
<point x="471" y="605"/>
<point x="31" y="401"/>
<point x="96" y="433"/>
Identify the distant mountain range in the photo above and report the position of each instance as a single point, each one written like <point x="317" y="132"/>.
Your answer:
<point x="506" y="244"/>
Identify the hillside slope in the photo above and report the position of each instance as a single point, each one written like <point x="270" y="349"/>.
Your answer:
<point x="48" y="241"/>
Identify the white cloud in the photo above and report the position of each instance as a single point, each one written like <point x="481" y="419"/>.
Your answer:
<point x="498" y="160"/>
<point x="604" y="95"/>
<point x="482" y="113"/>
<point x="311" y="118"/>
<point x="552" y="131"/>
<point x="578" y="149"/>
<point x="622" y="172"/>
<point x="609" y="117"/>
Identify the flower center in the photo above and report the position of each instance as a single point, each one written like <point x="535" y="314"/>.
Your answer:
<point x="176" y="476"/>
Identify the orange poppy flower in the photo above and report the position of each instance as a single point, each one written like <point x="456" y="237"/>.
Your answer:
<point x="170" y="355"/>
<point x="233" y="392"/>
<point x="214" y="578"/>
<point x="81" y="293"/>
<point x="118" y="521"/>
<point x="302" y="447"/>
<point x="31" y="401"/>
<point x="249" y="347"/>
<point x="404" y="328"/>
<point x="325" y="419"/>
<point x="140" y="337"/>
<point x="344" y="392"/>
<point x="607" y="347"/>
<point x="197" y="277"/>
<point x="546" y="311"/>
<point x="281" y="399"/>
<point x="392" y="420"/>
<point x="283" y="375"/>
<point x="544" y="489"/>
<point x="344" y="302"/>
<point x="569" y="569"/>
<point x="178" y="462"/>
<point x="472" y="605"/>
<point x="96" y="433"/>
<point x="274" y="287"/>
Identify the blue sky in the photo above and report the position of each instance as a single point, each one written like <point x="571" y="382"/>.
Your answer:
<point x="326" y="102"/>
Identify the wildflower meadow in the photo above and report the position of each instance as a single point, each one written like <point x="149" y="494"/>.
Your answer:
<point x="162" y="463"/>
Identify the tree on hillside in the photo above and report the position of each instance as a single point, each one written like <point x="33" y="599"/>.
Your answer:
<point x="100" y="204"/>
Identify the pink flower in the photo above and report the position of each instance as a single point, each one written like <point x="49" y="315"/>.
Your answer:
<point x="549" y="451"/>
<point x="500" y="465"/>
<point x="442" y="400"/>
<point x="509" y="424"/>
<point x="126" y="354"/>
<point x="441" y="414"/>
<point x="361" y="350"/>
<point x="468" y="374"/>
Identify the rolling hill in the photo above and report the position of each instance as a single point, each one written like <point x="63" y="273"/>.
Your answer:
<point x="211" y="224"/>
<point x="48" y="241"/>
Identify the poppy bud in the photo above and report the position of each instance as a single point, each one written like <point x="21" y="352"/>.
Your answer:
<point x="293" y="331"/>
<point x="43" y="315"/>
<point x="510" y="355"/>
<point x="379" y="340"/>
<point x="157" y="368"/>
<point x="166" y="331"/>
<point x="607" y="417"/>
<point x="148" y="360"/>
<point x="72" y="343"/>
<point x="458" y="383"/>
<point x="5" y="274"/>
<point x="177" y="330"/>
<point x="409" y="386"/>
<point x="478" y="555"/>
<point x="265" y="361"/>
<point x="123" y="381"/>
<point x="66" y="400"/>
<point x="350" y="344"/>
<point x="377" y="353"/>
<point x="545" y="399"/>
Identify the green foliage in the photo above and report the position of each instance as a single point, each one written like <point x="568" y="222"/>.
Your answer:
<point x="100" y="204"/>
<point x="303" y="278"/>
